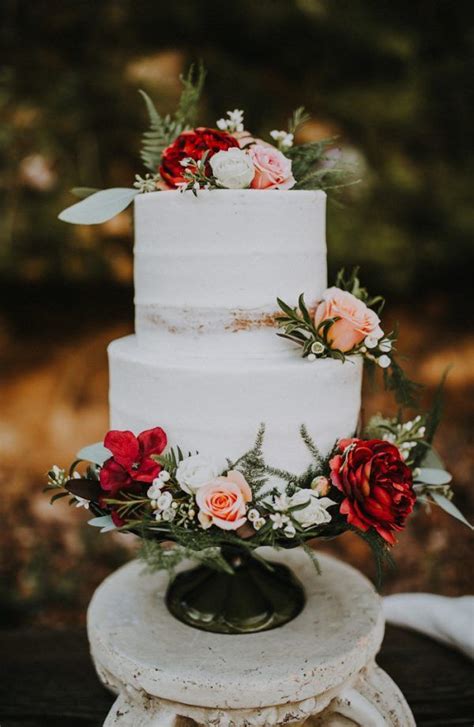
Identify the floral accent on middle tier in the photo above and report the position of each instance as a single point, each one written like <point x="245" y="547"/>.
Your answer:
<point x="345" y="322"/>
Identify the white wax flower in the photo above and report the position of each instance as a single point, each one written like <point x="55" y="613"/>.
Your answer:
<point x="371" y="341"/>
<point x="384" y="361"/>
<point x="234" y="123"/>
<point x="164" y="501"/>
<point x="233" y="168"/>
<point x="81" y="502"/>
<point x="315" y="512"/>
<point x="154" y="491"/>
<point x="317" y="347"/>
<point x="280" y="503"/>
<point x="253" y="515"/>
<point x="168" y="515"/>
<point x="279" y="520"/>
<point x="385" y="346"/>
<point x="284" y="138"/>
<point x="196" y="471"/>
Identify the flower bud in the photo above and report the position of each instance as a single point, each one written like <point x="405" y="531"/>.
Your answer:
<point x="320" y="485"/>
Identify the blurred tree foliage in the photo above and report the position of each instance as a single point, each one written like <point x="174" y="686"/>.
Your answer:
<point x="391" y="79"/>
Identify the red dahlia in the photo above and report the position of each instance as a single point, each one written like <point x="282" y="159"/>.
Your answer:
<point x="192" y="144"/>
<point x="377" y="484"/>
<point x="131" y="461"/>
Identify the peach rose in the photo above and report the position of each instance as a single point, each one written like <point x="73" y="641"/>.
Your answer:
<point x="272" y="168"/>
<point x="357" y="321"/>
<point x="222" y="501"/>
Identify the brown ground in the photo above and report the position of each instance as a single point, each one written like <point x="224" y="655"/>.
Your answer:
<point x="54" y="399"/>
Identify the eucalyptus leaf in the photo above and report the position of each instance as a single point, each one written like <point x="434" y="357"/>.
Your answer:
<point x="433" y="476"/>
<point x="104" y="522"/>
<point x="99" y="207"/>
<point x="432" y="459"/>
<point x="96" y="453"/>
<point x="449" y="507"/>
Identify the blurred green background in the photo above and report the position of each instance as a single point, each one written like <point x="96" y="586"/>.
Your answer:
<point x="391" y="80"/>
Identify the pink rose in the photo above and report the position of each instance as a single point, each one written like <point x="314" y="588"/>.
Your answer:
<point x="222" y="501"/>
<point x="357" y="321"/>
<point x="272" y="168"/>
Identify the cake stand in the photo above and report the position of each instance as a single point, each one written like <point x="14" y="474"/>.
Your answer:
<point x="318" y="669"/>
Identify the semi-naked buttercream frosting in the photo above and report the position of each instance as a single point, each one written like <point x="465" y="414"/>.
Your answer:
<point x="213" y="265"/>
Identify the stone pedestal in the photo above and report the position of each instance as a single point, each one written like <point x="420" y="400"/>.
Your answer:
<point x="319" y="669"/>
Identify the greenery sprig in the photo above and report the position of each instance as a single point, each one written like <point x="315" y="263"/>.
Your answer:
<point x="351" y="283"/>
<point x="164" y="129"/>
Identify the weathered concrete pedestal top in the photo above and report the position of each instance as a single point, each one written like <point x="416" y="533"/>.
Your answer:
<point x="318" y="669"/>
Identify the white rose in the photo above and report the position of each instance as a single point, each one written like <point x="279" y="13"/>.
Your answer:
<point x="196" y="471"/>
<point x="315" y="512"/>
<point x="233" y="168"/>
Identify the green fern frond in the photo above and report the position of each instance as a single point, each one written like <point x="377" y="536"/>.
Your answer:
<point x="164" y="129"/>
<point x="405" y="390"/>
<point x="170" y="460"/>
<point x="311" y="446"/>
<point x="305" y="156"/>
<point x="157" y="138"/>
<point x="298" y="118"/>
<point x="435" y="413"/>
<point x="193" y="83"/>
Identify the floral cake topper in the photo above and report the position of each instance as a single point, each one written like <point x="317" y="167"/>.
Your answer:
<point x="180" y="155"/>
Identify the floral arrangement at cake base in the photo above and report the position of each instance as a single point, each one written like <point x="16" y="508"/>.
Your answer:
<point x="183" y="505"/>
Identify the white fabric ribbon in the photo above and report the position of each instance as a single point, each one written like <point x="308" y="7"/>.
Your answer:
<point x="449" y="620"/>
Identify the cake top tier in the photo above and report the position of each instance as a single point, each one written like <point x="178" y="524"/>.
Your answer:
<point x="213" y="264"/>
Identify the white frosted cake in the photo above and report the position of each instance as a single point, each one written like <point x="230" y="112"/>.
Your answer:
<point x="206" y="363"/>
<point x="236" y="328"/>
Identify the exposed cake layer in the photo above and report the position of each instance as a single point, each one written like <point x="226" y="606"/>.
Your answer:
<point x="216" y="406"/>
<point x="208" y="269"/>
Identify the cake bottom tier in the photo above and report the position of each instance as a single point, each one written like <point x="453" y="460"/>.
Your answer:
<point x="216" y="406"/>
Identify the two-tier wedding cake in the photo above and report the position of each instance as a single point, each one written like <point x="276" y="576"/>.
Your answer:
<point x="235" y="405"/>
<point x="205" y="361"/>
<point x="235" y="424"/>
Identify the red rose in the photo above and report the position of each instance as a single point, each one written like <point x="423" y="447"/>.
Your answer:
<point x="192" y="144"/>
<point x="377" y="484"/>
<point x="131" y="462"/>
